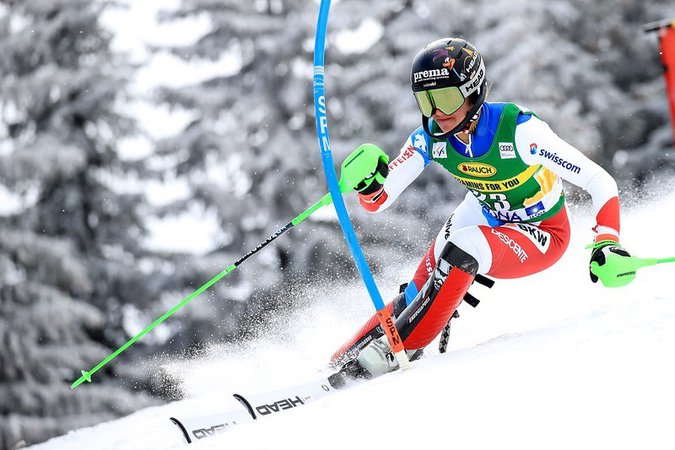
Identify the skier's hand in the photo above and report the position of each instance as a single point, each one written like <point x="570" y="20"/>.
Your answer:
<point x="365" y="169"/>
<point x="611" y="264"/>
<point x="375" y="180"/>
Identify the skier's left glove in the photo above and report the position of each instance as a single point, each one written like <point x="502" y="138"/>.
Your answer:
<point x="611" y="264"/>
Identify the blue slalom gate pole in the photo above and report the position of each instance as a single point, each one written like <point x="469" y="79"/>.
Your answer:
<point x="320" y="109"/>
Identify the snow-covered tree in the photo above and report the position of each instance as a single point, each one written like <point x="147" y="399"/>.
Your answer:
<point x="67" y="246"/>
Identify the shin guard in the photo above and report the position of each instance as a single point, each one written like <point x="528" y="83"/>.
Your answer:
<point x="427" y="314"/>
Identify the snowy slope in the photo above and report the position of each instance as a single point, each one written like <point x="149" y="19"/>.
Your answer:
<point x="551" y="361"/>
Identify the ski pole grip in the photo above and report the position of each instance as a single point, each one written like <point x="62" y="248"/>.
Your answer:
<point x="361" y="164"/>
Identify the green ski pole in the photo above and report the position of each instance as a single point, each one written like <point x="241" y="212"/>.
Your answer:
<point x="619" y="271"/>
<point x="326" y="200"/>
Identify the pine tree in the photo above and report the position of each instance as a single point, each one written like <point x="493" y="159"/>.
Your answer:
<point x="67" y="250"/>
<point x="251" y="156"/>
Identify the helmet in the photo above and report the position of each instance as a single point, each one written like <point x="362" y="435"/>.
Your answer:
<point x="444" y="74"/>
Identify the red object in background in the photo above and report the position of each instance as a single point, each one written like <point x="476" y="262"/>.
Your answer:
<point x="667" y="39"/>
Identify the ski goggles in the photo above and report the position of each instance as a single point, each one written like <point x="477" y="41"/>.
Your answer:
<point x="447" y="100"/>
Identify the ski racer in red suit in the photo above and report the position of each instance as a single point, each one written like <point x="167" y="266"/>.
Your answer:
<point x="513" y="221"/>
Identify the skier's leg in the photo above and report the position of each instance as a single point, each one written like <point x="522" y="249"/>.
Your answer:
<point x="421" y="321"/>
<point x="465" y="214"/>
<point x="438" y="299"/>
<point x="512" y="250"/>
<point x="507" y="251"/>
<point x="521" y="249"/>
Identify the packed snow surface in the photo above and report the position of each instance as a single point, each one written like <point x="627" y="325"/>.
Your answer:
<point x="548" y="361"/>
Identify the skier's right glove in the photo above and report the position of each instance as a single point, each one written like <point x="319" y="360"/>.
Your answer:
<point x="611" y="264"/>
<point x="375" y="180"/>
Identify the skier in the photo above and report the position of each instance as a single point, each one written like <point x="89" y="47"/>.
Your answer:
<point x="512" y="223"/>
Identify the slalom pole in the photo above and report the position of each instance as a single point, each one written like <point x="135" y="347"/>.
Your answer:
<point x="666" y="36"/>
<point x="344" y="186"/>
<point x="384" y="316"/>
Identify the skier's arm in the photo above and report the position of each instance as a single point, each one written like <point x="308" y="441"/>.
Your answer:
<point x="402" y="171"/>
<point x="538" y="144"/>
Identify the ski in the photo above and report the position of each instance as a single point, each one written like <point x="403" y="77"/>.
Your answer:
<point x="257" y="406"/>
<point x="205" y="426"/>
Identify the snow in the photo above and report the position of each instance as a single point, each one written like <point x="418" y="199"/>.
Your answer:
<point x="10" y="203"/>
<point x="549" y="361"/>
<point x="137" y="27"/>
<point x="361" y="39"/>
<point x="14" y="203"/>
<point x="195" y="231"/>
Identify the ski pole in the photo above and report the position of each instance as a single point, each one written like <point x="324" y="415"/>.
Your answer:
<point x="383" y="314"/>
<point x="344" y="186"/>
<point x="619" y="271"/>
<point x="639" y="263"/>
<point x="653" y="261"/>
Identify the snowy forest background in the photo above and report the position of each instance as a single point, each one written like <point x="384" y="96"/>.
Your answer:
<point x="144" y="147"/>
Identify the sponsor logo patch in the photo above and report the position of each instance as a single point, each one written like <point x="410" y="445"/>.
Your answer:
<point x="479" y="170"/>
<point x="559" y="161"/>
<point x="448" y="227"/>
<point x="541" y="239"/>
<point x="420" y="143"/>
<point x="201" y="433"/>
<point x="507" y="150"/>
<point x="533" y="148"/>
<point x="432" y="74"/>
<point x="510" y="243"/>
<point x="474" y="83"/>
<point x="535" y="210"/>
<point x="439" y="150"/>
<point x="408" y="153"/>
<point x="498" y="185"/>
<point x="470" y="61"/>
<point x="286" y="403"/>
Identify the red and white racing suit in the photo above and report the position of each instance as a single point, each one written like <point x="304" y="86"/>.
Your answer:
<point x="511" y="250"/>
<point x="502" y="249"/>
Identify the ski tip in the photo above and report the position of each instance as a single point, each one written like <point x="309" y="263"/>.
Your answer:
<point x="246" y="404"/>
<point x="182" y="428"/>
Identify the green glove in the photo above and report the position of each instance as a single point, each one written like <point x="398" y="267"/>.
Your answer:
<point x="611" y="264"/>
<point x="366" y="168"/>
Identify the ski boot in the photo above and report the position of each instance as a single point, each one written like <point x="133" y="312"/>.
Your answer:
<point x="375" y="359"/>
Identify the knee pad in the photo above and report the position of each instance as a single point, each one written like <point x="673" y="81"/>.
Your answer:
<point x="456" y="257"/>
